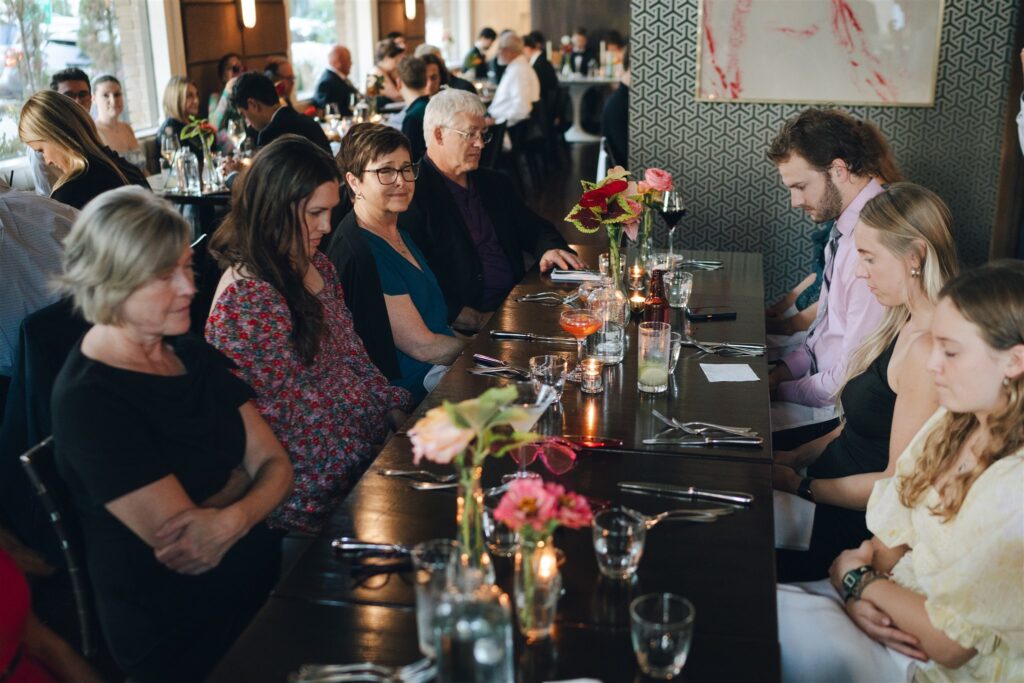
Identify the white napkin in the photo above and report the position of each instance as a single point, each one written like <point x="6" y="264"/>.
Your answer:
<point x="794" y="518"/>
<point x="791" y="415"/>
<point x="561" y="275"/>
<point x="728" y="372"/>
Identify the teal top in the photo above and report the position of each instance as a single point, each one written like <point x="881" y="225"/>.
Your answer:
<point x="397" y="277"/>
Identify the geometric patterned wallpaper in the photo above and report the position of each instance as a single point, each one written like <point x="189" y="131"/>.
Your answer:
<point x="717" y="150"/>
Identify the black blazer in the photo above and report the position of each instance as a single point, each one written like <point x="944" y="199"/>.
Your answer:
<point x="615" y="125"/>
<point x="587" y="55"/>
<point x="547" y="77"/>
<point x="333" y="88"/>
<point x="287" y="120"/>
<point x="360" y="281"/>
<point x="97" y="179"/>
<point x="456" y="83"/>
<point x="435" y="223"/>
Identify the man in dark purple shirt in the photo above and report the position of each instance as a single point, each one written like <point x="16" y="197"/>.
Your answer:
<point x="471" y="226"/>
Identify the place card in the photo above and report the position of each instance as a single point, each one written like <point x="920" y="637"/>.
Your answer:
<point x="729" y="372"/>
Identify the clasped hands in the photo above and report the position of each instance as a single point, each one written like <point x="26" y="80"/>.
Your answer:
<point x="868" y="617"/>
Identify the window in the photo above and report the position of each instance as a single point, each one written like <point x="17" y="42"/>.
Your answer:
<point x="311" y="26"/>
<point x="38" y="38"/>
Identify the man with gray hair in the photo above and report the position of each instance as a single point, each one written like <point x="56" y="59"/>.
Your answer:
<point x="519" y="87"/>
<point x="472" y="228"/>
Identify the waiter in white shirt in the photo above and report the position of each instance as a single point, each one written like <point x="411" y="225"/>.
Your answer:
<point x="519" y="87"/>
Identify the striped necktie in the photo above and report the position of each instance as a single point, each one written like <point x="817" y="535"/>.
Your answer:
<point x="830" y="263"/>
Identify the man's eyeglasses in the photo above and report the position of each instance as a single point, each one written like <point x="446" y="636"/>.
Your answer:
<point x="484" y="136"/>
<point x="389" y="176"/>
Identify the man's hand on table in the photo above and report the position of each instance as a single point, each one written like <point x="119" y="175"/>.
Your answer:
<point x="779" y="374"/>
<point x="560" y="258"/>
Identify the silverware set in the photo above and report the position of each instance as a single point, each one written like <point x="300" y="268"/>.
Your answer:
<point x="689" y="492"/>
<point x="702" y="264"/>
<point x="702" y="433"/>
<point x="725" y="348"/>
<point x="419" y="475"/>
<point x="418" y="672"/>
<point x="549" y="298"/>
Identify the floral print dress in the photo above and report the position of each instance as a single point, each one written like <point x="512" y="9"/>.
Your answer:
<point x="326" y="415"/>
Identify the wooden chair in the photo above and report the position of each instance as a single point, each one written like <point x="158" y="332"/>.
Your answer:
<point x="41" y="469"/>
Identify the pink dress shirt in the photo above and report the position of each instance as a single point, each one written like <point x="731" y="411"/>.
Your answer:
<point x="852" y="314"/>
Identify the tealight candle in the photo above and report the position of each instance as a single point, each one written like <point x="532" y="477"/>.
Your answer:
<point x="592" y="382"/>
<point x="636" y="301"/>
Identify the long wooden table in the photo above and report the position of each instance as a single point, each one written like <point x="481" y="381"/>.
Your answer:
<point x="321" y="612"/>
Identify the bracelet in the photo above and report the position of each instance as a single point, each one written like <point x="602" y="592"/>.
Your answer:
<point x="868" y="578"/>
<point x="856" y="580"/>
<point x="804" y="489"/>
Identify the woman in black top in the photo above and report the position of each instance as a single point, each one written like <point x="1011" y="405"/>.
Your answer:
<point x="58" y="128"/>
<point x="181" y="100"/>
<point x="906" y="255"/>
<point x="170" y="467"/>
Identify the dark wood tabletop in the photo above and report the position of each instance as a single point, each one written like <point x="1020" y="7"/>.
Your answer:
<point x="336" y="609"/>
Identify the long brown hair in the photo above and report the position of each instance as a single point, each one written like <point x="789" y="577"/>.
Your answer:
<point x="51" y="117"/>
<point x="263" y="234"/>
<point x="991" y="297"/>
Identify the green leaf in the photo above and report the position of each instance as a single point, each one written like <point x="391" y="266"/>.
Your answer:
<point x="586" y="219"/>
<point x="455" y="415"/>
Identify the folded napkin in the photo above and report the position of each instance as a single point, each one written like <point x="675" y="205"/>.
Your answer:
<point x="730" y="372"/>
<point x="794" y="518"/>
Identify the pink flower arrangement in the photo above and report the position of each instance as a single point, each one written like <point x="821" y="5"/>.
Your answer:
<point x="656" y="179"/>
<point x="438" y="439"/>
<point x="535" y="509"/>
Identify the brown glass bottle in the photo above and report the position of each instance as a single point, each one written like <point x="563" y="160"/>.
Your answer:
<point x="656" y="308"/>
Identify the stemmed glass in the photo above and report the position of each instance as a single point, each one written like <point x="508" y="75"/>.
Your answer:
<point x="169" y="146"/>
<point x="533" y="398"/>
<point x="672" y="210"/>
<point x="580" y="324"/>
<point x="332" y="114"/>
<point x="236" y="131"/>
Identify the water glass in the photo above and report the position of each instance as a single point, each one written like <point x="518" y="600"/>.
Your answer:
<point x="538" y="585"/>
<point x="619" y="535"/>
<point x="500" y="539"/>
<point x="431" y="561"/>
<point x="661" y="629"/>
<point x="608" y="344"/>
<point x="550" y="371"/>
<point x="676" y="347"/>
<point x="473" y="636"/>
<point x="654" y="350"/>
<point x="678" y="285"/>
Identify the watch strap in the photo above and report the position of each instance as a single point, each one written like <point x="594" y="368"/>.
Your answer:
<point x="804" y="489"/>
<point x="852" y="579"/>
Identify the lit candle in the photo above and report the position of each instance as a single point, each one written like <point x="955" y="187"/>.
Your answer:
<point x="636" y="302"/>
<point x="547" y="564"/>
<point x="550" y="54"/>
<point x="592" y="382"/>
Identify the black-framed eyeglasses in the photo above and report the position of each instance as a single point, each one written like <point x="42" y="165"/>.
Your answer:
<point x="483" y="136"/>
<point x="389" y="176"/>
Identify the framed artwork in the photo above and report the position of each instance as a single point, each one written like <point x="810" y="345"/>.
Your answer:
<point x="868" y="52"/>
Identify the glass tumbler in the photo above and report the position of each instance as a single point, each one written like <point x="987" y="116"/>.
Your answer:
<point x="619" y="536"/>
<point x="550" y="370"/>
<point x="661" y="626"/>
<point x="679" y="284"/>
<point x="431" y="561"/>
<point x="654" y="350"/>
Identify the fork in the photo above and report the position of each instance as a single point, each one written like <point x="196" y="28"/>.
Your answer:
<point x="419" y="475"/>
<point x="417" y="672"/>
<point x="701" y="428"/>
<point x="702" y="515"/>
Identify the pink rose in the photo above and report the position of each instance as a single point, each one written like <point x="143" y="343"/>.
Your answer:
<point x="632" y="229"/>
<point x="437" y="439"/>
<point x="528" y="502"/>
<point x="657" y="179"/>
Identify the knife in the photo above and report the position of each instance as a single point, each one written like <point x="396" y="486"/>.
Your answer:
<point x="671" y="491"/>
<point x="530" y="337"/>
<point x="698" y="440"/>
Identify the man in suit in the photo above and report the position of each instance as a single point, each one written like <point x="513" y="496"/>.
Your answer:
<point x="471" y="227"/>
<point x="533" y="48"/>
<point x="581" y="55"/>
<point x="615" y="118"/>
<point x="475" y="63"/>
<point x="334" y="87"/>
<point x="256" y="99"/>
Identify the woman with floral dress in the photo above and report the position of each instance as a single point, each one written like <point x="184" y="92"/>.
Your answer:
<point x="280" y="314"/>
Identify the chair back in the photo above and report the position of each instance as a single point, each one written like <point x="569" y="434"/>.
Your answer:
<point x="492" y="150"/>
<point x="41" y="469"/>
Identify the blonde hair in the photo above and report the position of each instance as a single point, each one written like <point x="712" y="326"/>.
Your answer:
<point x="992" y="298"/>
<point x="120" y="241"/>
<point x="910" y="219"/>
<point x="51" y="117"/>
<point x="175" y="95"/>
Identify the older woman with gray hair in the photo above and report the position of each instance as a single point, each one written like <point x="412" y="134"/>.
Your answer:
<point x="170" y="466"/>
<point x="472" y="229"/>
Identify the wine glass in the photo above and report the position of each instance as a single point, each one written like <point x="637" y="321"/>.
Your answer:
<point x="532" y="399"/>
<point x="580" y="324"/>
<point x="169" y="146"/>
<point x="672" y="210"/>
<point x="236" y="131"/>
<point x="332" y="114"/>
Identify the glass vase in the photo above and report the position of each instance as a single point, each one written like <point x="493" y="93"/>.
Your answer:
<point x="469" y="517"/>
<point x="537" y="586"/>
<point x="209" y="176"/>
<point x="645" y="246"/>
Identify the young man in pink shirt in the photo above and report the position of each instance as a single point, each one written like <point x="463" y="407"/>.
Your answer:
<point x="832" y="164"/>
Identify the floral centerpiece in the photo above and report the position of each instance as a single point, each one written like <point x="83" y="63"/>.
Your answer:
<point x="534" y="510"/>
<point x="465" y="434"/>
<point x="612" y="204"/>
<point x="650" y="192"/>
<point x="206" y="132"/>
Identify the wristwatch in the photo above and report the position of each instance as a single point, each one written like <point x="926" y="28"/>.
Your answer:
<point x="856" y="580"/>
<point x="804" y="489"/>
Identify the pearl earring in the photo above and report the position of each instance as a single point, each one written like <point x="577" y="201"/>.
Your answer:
<point x="915" y="271"/>
<point x="1006" y="381"/>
